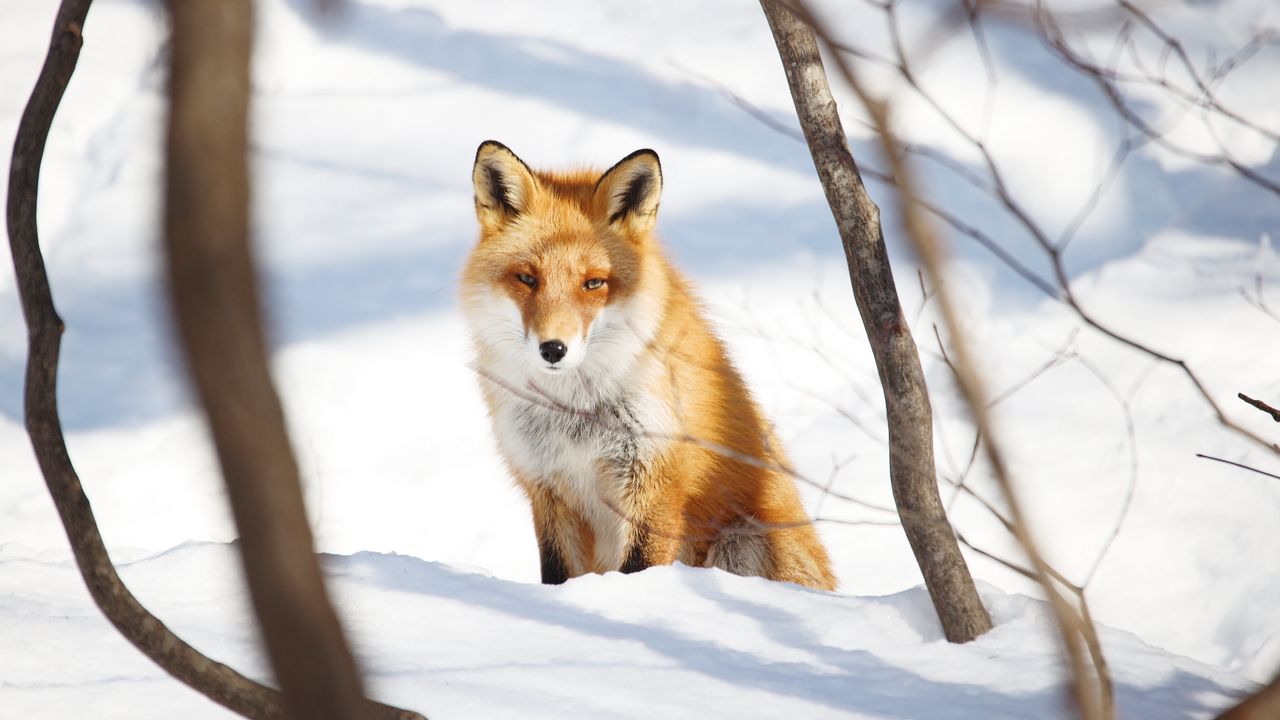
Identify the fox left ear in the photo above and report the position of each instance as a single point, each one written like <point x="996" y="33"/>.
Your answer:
<point x="629" y="191"/>
<point x="503" y="184"/>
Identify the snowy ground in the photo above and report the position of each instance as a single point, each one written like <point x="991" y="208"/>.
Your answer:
<point x="365" y="129"/>
<point x="672" y="642"/>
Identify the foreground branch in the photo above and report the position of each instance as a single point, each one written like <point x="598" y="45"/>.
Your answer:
<point x="213" y="287"/>
<point x="1262" y="705"/>
<point x="44" y="331"/>
<point x="912" y="470"/>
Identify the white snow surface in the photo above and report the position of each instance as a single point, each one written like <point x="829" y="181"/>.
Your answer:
<point x="672" y="642"/>
<point x="365" y="126"/>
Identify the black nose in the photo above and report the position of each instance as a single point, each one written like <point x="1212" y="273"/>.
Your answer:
<point x="552" y="351"/>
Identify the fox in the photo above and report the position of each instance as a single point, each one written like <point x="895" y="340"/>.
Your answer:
<point x="613" y="403"/>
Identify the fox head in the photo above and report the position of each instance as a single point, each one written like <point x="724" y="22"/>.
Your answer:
<point x="555" y="279"/>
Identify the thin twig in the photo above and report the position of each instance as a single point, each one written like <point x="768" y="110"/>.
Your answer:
<point x="1242" y="466"/>
<point x="536" y="395"/>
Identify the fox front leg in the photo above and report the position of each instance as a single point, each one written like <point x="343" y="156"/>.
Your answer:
<point x="554" y="568"/>
<point x="655" y="540"/>
<point x="559" y="532"/>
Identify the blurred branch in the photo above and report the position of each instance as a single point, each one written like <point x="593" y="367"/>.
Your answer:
<point x="1205" y="96"/>
<point x="541" y="397"/>
<point x="1051" y="31"/>
<point x="214" y="292"/>
<point x="145" y="631"/>
<point x="1106" y="689"/>
<point x="977" y="235"/>
<point x="1258" y="300"/>
<point x="1131" y="439"/>
<point x="1262" y="705"/>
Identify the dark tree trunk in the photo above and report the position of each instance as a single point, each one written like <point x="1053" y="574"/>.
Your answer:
<point x="911" y="463"/>
<point x="214" y="291"/>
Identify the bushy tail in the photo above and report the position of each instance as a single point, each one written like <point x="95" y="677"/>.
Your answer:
<point x="788" y="555"/>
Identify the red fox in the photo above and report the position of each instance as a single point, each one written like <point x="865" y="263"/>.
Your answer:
<point x="613" y="403"/>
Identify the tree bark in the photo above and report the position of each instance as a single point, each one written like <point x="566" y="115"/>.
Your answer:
<point x="213" y="287"/>
<point x="912" y="471"/>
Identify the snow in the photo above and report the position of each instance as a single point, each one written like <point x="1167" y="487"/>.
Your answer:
<point x="674" y="641"/>
<point x="365" y="126"/>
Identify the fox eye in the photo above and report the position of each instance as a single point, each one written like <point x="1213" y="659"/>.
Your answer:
<point x="593" y="283"/>
<point x="529" y="280"/>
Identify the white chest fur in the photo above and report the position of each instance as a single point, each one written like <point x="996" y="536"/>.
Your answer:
<point x="589" y="448"/>
<point x="587" y="433"/>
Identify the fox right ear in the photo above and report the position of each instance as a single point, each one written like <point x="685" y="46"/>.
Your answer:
<point x="628" y="192"/>
<point x="503" y="183"/>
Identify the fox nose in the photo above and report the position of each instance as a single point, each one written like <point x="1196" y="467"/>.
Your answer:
<point x="552" y="351"/>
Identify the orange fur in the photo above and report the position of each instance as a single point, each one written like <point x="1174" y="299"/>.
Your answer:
<point x="645" y="445"/>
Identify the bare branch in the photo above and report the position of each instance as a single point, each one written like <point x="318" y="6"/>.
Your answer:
<point x="956" y="223"/>
<point x="1131" y="488"/>
<point x="1059" y="356"/>
<point x="1050" y="30"/>
<point x="214" y="291"/>
<point x="1242" y="466"/>
<point x="1206" y="96"/>
<point x="1049" y="25"/>
<point x="1274" y="413"/>
<point x="145" y="631"/>
<point x="1258" y="300"/>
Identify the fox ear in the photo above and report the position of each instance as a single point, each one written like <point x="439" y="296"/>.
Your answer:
<point x="629" y="191"/>
<point x="503" y="183"/>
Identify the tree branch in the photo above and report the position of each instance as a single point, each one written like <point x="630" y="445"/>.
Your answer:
<point x="1093" y="701"/>
<point x="44" y="333"/>
<point x="912" y="470"/>
<point x="1274" y="413"/>
<point x="1242" y="466"/>
<point x="145" y="631"/>
<point x="1261" y="705"/>
<point x="213" y="287"/>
